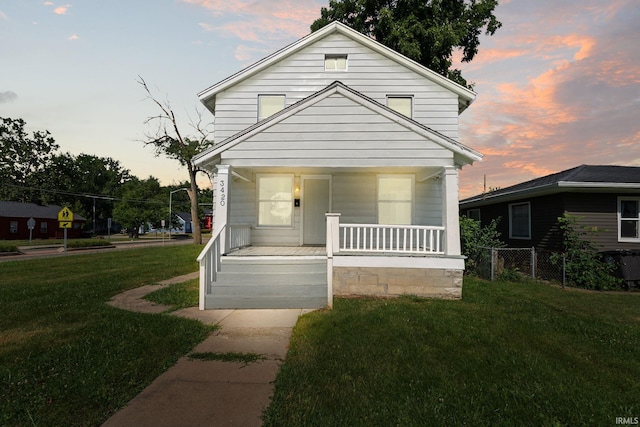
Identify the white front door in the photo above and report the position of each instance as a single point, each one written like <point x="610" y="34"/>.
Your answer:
<point x="316" y="201"/>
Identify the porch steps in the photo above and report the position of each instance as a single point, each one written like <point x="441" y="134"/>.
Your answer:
<point x="269" y="282"/>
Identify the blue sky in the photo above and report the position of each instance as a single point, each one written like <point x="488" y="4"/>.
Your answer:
<point x="558" y="85"/>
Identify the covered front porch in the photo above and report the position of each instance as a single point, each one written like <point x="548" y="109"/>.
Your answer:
<point x="246" y="265"/>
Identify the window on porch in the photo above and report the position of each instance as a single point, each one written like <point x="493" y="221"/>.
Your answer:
<point x="275" y="200"/>
<point x="395" y="199"/>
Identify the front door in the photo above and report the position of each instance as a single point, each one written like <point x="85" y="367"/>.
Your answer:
<point x="316" y="201"/>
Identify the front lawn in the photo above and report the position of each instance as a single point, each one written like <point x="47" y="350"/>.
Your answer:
<point x="66" y="357"/>
<point x="507" y="354"/>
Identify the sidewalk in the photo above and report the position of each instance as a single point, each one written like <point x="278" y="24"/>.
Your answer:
<point x="212" y="393"/>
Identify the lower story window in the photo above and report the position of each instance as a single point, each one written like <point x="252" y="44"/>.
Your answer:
<point x="13" y="227"/>
<point x="629" y="219"/>
<point x="395" y="199"/>
<point x="520" y="221"/>
<point x="275" y="200"/>
<point x="43" y="227"/>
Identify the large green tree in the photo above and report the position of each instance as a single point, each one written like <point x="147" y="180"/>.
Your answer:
<point x="427" y="31"/>
<point x="24" y="159"/>
<point x="141" y="202"/>
<point x="87" y="182"/>
<point x="168" y="139"/>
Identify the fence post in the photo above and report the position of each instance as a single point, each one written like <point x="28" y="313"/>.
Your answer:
<point x="533" y="263"/>
<point x="493" y="251"/>
<point x="564" y="269"/>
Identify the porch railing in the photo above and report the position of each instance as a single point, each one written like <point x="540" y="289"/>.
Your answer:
<point x="209" y="260"/>
<point x="405" y="239"/>
<point x="239" y="235"/>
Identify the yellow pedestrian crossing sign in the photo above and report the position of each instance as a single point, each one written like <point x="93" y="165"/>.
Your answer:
<point x="65" y="218"/>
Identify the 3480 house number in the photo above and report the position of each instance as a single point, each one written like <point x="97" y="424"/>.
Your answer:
<point x="223" y="196"/>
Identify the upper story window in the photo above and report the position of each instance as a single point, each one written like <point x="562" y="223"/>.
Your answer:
<point x="395" y="199"/>
<point x="335" y="62"/>
<point x="401" y="104"/>
<point x="629" y="219"/>
<point x="268" y="105"/>
<point x="520" y="221"/>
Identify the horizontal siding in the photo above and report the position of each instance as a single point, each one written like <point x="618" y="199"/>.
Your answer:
<point x="336" y="128"/>
<point x="354" y="196"/>
<point x="370" y="73"/>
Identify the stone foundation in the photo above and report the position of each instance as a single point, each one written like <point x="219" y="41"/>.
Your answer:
<point x="393" y="281"/>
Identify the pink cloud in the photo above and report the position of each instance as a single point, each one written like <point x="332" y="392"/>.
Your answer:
<point x="61" y="10"/>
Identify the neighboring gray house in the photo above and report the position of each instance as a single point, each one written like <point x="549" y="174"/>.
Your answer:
<point x="602" y="197"/>
<point x="335" y="171"/>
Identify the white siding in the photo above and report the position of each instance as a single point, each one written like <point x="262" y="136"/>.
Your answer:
<point x="303" y="74"/>
<point x="333" y="132"/>
<point x="354" y="196"/>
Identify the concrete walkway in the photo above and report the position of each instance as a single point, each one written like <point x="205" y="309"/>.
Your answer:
<point x="211" y="393"/>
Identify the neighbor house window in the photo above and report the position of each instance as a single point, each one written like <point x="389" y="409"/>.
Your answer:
<point x="13" y="227"/>
<point x="268" y="105"/>
<point x="275" y="200"/>
<point x="474" y="214"/>
<point x="629" y="219"/>
<point x="401" y="104"/>
<point x="520" y="221"/>
<point x="395" y="199"/>
<point x="335" y="62"/>
<point x="44" y="227"/>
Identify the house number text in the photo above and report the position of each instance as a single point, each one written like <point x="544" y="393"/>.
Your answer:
<point x="223" y="196"/>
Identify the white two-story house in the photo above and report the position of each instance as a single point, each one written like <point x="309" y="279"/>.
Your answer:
<point x="335" y="171"/>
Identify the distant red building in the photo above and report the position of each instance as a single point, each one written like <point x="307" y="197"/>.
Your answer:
<point x="15" y="216"/>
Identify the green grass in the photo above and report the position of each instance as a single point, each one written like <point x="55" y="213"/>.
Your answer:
<point x="66" y="357"/>
<point x="179" y="295"/>
<point x="507" y="354"/>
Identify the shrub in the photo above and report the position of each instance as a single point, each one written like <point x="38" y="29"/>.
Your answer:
<point x="474" y="238"/>
<point x="583" y="266"/>
<point x="8" y="247"/>
<point x="86" y="243"/>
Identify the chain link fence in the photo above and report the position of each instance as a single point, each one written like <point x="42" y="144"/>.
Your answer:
<point x="515" y="263"/>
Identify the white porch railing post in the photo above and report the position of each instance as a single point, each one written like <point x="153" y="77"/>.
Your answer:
<point x="451" y="212"/>
<point x="333" y="246"/>
<point x="222" y="204"/>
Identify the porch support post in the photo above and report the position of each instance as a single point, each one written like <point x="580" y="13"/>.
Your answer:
<point x="333" y="246"/>
<point x="221" y="211"/>
<point x="451" y="211"/>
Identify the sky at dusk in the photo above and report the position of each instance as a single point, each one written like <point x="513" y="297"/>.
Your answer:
<point x="558" y="85"/>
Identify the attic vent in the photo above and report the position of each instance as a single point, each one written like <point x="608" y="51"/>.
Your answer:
<point x="335" y="62"/>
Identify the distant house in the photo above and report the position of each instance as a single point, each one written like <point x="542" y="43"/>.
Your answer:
<point x="185" y="223"/>
<point x="15" y="216"/>
<point x="603" y="197"/>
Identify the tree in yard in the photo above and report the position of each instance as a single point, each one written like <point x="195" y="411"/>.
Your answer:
<point x="427" y="31"/>
<point x="169" y="141"/>
<point x="23" y="160"/>
<point x="140" y="202"/>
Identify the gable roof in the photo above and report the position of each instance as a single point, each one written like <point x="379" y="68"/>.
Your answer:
<point x="465" y="96"/>
<point x="462" y="153"/>
<point x="29" y="210"/>
<point x="583" y="177"/>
